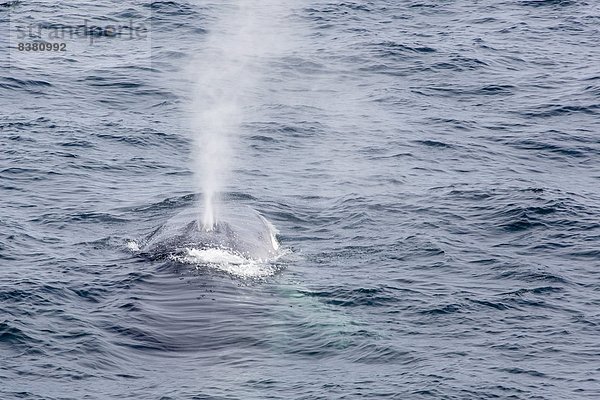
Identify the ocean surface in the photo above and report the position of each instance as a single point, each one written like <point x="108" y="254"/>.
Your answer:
<point x="432" y="167"/>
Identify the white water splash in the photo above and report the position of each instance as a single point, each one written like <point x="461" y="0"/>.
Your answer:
<point x="133" y="246"/>
<point x="229" y="262"/>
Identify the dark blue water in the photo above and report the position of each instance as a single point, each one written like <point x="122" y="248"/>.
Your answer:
<point x="432" y="167"/>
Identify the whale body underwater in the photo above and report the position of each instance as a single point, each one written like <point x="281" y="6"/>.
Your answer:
<point x="242" y="232"/>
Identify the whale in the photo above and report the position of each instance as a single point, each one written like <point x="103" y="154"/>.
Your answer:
<point x="241" y="232"/>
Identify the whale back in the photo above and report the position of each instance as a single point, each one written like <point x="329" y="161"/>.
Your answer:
<point x="242" y="231"/>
